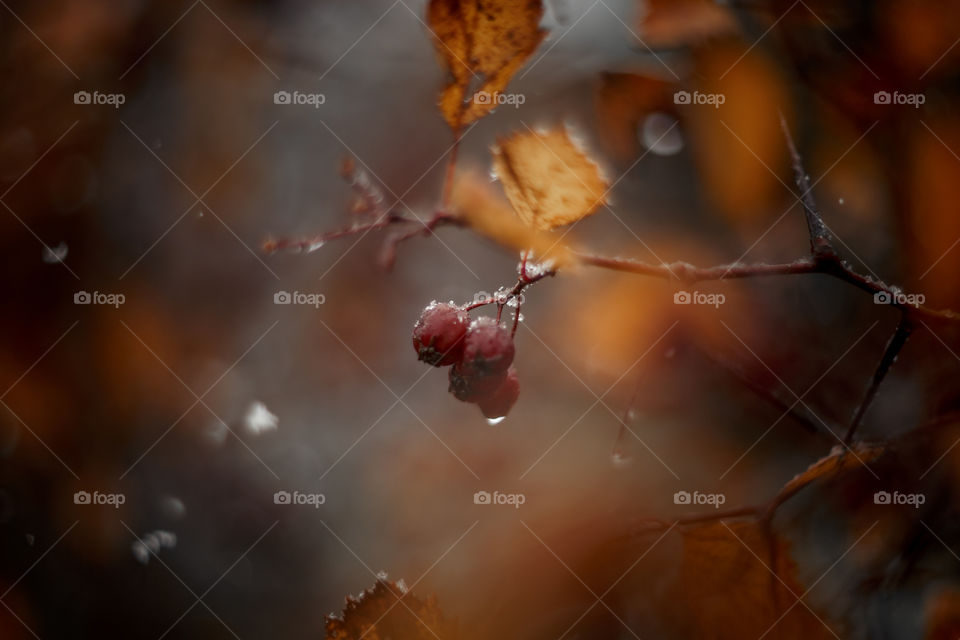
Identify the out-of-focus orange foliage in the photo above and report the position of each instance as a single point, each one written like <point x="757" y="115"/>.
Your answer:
<point x="943" y="616"/>
<point x="671" y="23"/>
<point x="934" y="190"/>
<point x="739" y="146"/>
<point x="476" y="39"/>
<point x="923" y="34"/>
<point x="623" y="99"/>
<point x="549" y="180"/>
<point x="389" y="612"/>
<point x="636" y="312"/>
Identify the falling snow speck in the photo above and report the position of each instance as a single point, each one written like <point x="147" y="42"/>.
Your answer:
<point x="173" y="507"/>
<point x="152" y="543"/>
<point x="259" y="419"/>
<point x="620" y="460"/>
<point x="53" y="255"/>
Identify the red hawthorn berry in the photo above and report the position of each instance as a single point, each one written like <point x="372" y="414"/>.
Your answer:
<point x="488" y="348"/>
<point x="502" y="400"/>
<point x="467" y="385"/>
<point x="439" y="334"/>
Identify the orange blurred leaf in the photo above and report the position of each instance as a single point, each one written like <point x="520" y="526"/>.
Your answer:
<point x="623" y="99"/>
<point x="482" y="40"/>
<point x="549" y="180"/>
<point x="477" y="206"/>
<point x="942" y="615"/>
<point x="389" y="611"/>
<point x="673" y="23"/>
<point x="735" y="132"/>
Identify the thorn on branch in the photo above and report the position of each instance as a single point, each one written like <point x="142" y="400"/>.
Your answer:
<point x="821" y="244"/>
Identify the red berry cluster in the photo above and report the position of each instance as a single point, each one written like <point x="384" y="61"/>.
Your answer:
<point x="481" y="353"/>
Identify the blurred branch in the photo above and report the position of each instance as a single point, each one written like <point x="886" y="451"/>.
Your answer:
<point x="897" y="340"/>
<point x="801" y="417"/>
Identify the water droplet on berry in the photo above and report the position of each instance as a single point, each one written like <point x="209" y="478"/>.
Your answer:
<point x="496" y="421"/>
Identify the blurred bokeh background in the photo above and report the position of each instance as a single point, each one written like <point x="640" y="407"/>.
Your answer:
<point x="198" y="398"/>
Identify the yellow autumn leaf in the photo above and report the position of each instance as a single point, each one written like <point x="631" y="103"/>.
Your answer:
<point x="549" y="180"/>
<point x="481" y="43"/>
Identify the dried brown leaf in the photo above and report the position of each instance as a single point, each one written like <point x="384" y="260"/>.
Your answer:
<point x="485" y="41"/>
<point x="549" y="180"/>
<point x="389" y="611"/>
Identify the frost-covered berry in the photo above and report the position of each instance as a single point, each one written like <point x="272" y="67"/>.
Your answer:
<point x="498" y="404"/>
<point x="488" y="348"/>
<point x="438" y="336"/>
<point x="467" y="385"/>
